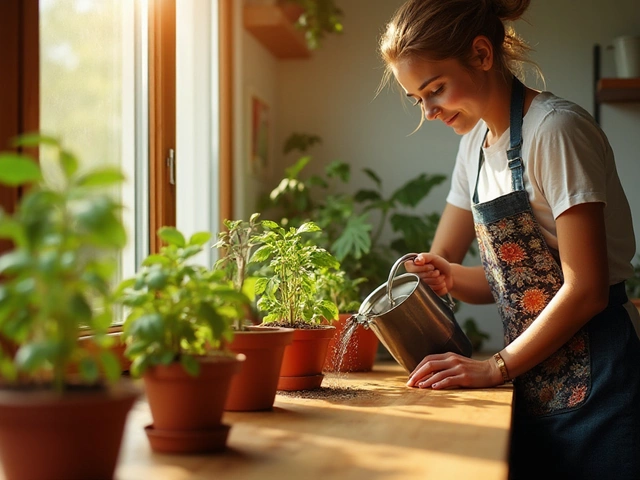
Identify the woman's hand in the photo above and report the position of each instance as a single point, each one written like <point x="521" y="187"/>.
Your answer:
<point x="450" y="370"/>
<point x="433" y="270"/>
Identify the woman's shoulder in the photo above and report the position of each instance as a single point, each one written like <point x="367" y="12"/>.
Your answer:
<point x="553" y="115"/>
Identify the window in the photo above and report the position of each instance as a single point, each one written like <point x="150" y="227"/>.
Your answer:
<point x="90" y="62"/>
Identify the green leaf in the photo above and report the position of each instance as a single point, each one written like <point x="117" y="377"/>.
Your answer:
<point x="412" y="192"/>
<point x="69" y="163"/>
<point x="32" y="356"/>
<point x="301" y="142"/>
<point x="355" y="240"/>
<point x="308" y="227"/>
<point x="214" y="320"/>
<point x="7" y="369"/>
<point x="328" y="310"/>
<point x="80" y="308"/>
<point x="110" y="365"/>
<point x="172" y="236"/>
<point x="261" y="285"/>
<point x="156" y="259"/>
<point x="262" y="254"/>
<point x="200" y="238"/>
<point x="190" y="364"/>
<point x="18" y="170"/>
<point x="89" y="370"/>
<point x="339" y="169"/>
<point x="148" y="327"/>
<point x="362" y="196"/>
<point x="270" y="225"/>
<point x="13" y="230"/>
<point x="156" y="279"/>
<point x="34" y="140"/>
<point x="139" y="365"/>
<point x="104" y="177"/>
<point x="373" y="176"/>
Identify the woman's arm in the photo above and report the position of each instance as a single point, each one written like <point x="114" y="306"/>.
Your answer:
<point x="584" y="293"/>
<point x="441" y="269"/>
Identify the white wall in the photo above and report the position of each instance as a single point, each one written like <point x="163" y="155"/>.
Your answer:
<point x="333" y="95"/>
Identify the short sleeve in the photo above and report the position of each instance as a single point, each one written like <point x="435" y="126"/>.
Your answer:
<point x="570" y="154"/>
<point x="459" y="194"/>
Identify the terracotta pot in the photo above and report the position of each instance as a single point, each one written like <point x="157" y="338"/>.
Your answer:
<point x="187" y="410"/>
<point x="254" y="388"/>
<point x="77" y="435"/>
<point x="304" y="358"/>
<point x="360" y="351"/>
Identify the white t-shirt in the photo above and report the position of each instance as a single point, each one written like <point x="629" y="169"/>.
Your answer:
<point x="567" y="160"/>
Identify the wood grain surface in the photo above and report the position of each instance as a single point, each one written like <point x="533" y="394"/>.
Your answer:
<point x="358" y="426"/>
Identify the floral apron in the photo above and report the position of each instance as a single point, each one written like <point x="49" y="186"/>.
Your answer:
<point x="576" y="414"/>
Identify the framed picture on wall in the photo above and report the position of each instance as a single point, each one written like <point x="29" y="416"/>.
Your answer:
<point x="259" y="135"/>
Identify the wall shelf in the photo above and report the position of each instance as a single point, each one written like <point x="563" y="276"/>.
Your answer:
<point x="610" y="90"/>
<point x="272" y="25"/>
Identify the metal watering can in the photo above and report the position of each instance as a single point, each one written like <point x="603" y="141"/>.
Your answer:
<point x="411" y="320"/>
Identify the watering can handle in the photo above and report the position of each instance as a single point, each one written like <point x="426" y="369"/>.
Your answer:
<point x="410" y="256"/>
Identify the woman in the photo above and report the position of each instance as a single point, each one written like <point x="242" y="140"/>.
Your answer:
<point x="535" y="183"/>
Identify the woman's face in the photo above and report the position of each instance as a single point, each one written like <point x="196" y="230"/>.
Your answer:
<point x="445" y="90"/>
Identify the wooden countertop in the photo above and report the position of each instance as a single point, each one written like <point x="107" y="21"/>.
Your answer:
<point x="358" y="426"/>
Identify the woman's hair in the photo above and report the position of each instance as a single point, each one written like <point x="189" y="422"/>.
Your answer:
<point x="445" y="29"/>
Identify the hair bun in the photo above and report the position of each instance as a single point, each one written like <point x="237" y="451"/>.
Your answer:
<point x="508" y="9"/>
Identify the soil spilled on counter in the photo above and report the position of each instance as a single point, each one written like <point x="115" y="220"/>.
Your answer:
<point x="330" y="392"/>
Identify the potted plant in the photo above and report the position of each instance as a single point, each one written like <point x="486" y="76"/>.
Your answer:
<point x="254" y="388"/>
<point x="354" y="347"/>
<point x="289" y="296"/>
<point x="57" y="421"/>
<point x="179" y="320"/>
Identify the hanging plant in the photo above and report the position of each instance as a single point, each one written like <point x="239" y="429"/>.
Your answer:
<point x="320" y="17"/>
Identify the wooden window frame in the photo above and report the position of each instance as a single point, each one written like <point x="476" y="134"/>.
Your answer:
<point x="162" y="117"/>
<point x="20" y="92"/>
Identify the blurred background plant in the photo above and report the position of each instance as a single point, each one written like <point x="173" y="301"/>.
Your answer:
<point x="236" y="245"/>
<point x="319" y="18"/>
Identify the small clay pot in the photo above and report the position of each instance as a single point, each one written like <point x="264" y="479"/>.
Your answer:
<point x="304" y="359"/>
<point x="254" y="388"/>
<point x="76" y="435"/>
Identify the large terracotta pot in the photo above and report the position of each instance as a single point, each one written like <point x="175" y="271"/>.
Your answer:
<point x="186" y="410"/>
<point x="304" y="359"/>
<point x="74" y="436"/>
<point x="254" y="388"/>
<point x="359" y="353"/>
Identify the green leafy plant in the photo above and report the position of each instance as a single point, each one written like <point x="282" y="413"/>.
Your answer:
<point x="57" y="279"/>
<point x="340" y="289"/>
<point x="353" y="225"/>
<point x="320" y="17"/>
<point x="289" y="295"/>
<point x="178" y="310"/>
<point x="236" y="244"/>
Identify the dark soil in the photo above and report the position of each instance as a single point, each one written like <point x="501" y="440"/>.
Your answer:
<point x="329" y="393"/>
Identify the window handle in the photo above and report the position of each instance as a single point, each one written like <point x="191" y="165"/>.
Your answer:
<point x="171" y="163"/>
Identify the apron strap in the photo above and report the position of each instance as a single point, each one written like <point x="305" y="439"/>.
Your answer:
<point x="514" y="157"/>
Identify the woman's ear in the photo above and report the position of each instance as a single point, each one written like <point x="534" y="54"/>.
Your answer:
<point x="482" y="53"/>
